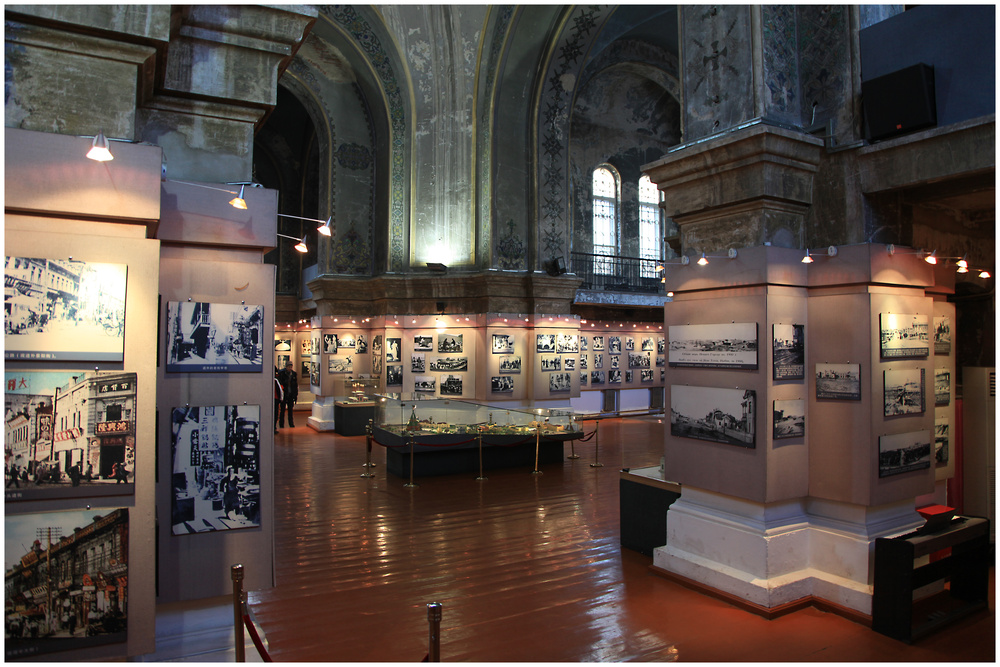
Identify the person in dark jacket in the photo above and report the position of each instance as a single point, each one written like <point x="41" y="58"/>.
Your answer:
<point x="290" y="386"/>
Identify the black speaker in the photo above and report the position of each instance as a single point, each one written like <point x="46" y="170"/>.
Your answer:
<point x="899" y="102"/>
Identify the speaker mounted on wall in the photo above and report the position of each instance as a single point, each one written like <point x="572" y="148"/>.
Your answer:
<point x="899" y="102"/>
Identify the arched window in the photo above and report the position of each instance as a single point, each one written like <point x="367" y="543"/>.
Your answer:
<point x="650" y="227"/>
<point x="605" y="207"/>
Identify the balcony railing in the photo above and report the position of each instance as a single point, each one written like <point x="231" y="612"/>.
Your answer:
<point x="617" y="274"/>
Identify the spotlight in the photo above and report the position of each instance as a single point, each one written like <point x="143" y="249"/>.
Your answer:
<point x="807" y="259"/>
<point x="703" y="261"/>
<point x="100" y="149"/>
<point x="931" y="258"/>
<point x="238" y="201"/>
<point x="300" y="246"/>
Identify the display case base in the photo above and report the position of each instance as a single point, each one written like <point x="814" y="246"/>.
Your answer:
<point x="449" y="461"/>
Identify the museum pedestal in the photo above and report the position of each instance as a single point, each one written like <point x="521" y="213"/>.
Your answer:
<point x="352" y="418"/>
<point x="322" y="417"/>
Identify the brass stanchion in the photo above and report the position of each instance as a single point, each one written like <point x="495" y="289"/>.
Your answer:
<point x="572" y="448"/>
<point x="410" y="484"/>
<point x="538" y="430"/>
<point x="481" y="478"/>
<point x="368" y="451"/>
<point x="236" y="573"/>
<point x="434" y="641"/>
<point x="597" y="446"/>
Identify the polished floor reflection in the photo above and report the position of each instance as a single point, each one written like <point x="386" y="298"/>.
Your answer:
<point x="527" y="567"/>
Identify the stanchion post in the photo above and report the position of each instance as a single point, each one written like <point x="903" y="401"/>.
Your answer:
<point x="481" y="478"/>
<point x="538" y="430"/>
<point x="368" y="451"/>
<point x="572" y="448"/>
<point x="597" y="446"/>
<point x="434" y="641"/>
<point x="236" y="573"/>
<point x="411" y="484"/>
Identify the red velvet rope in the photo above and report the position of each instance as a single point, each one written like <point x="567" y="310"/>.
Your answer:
<point x="252" y="629"/>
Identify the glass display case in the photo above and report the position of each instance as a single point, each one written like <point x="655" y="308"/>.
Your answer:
<point x="359" y="390"/>
<point x="447" y="430"/>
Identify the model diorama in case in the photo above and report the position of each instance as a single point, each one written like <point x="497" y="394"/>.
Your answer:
<point x="63" y="310"/>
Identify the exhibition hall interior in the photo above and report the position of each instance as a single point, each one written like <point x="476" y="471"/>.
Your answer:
<point x="499" y="333"/>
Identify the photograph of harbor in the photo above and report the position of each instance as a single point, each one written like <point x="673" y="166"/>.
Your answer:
<point x="716" y="414"/>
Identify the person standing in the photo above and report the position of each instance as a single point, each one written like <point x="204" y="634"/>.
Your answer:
<point x="290" y="386"/>
<point x="279" y="394"/>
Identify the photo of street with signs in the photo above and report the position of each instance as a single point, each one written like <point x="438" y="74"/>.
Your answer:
<point x="88" y="606"/>
<point x="214" y="337"/>
<point x="63" y="310"/>
<point x="216" y="468"/>
<point x="68" y="434"/>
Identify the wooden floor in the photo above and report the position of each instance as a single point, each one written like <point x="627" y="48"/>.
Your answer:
<point x="527" y="567"/>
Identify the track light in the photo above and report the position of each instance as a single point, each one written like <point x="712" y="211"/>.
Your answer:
<point x="931" y="258"/>
<point x="703" y="261"/>
<point x="963" y="265"/>
<point x="238" y="201"/>
<point x="100" y="149"/>
<point x="984" y="274"/>
<point x="324" y="225"/>
<point x="300" y="246"/>
<point x="807" y="259"/>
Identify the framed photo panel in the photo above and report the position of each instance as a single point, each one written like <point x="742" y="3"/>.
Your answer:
<point x="942" y="335"/>
<point x="903" y="391"/>
<point x="63" y="310"/>
<point x="343" y="364"/>
<point x="716" y="414"/>
<point x="377" y="355"/>
<point x="838" y="381"/>
<point x="215" y="482"/>
<point x="423" y="343"/>
<point x="418" y="362"/>
<point x="69" y="434"/>
<point x="214" y="337"/>
<point x="941" y="441"/>
<point x="449" y="342"/>
<point x="560" y="382"/>
<point x="89" y="606"/>
<point x="503" y="344"/>
<point x="283" y="345"/>
<point x="903" y="335"/>
<point x="788" y="352"/>
<point x="566" y="343"/>
<point x="451" y="385"/>
<point x="942" y="386"/>
<point x="713" y="345"/>
<point x="393" y="376"/>
<point x="361" y="344"/>
<point x="449" y="364"/>
<point x="393" y="350"/>
<point x="330" y="343"/>
<point x="545" y="343"/>
<point x="502" y="384"/>
<point x="510" y="364"/>
<point x="789" y="418"/>
<point x="424" y="383"/>
<point x="903" y="452"/>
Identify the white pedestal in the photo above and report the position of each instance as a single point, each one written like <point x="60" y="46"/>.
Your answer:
<point x="777" y="553"/>
<point x="321" y="418"/>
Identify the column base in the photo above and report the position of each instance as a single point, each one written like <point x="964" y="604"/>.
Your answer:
<point x="321" y="418"/>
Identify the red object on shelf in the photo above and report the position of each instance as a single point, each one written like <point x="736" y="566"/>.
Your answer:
<point x="937" y="517"/>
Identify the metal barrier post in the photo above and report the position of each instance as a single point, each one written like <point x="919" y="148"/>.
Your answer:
<point x="434" y="642"/>
<point x="538" y="429"/>
<point x="597" y="446"/>
<point x="410" y="484"/>
<point x="572" y="448"/>
<point x="481" y="478"/>
<point x="236" y="573"/>
<point x="368" y="465"/>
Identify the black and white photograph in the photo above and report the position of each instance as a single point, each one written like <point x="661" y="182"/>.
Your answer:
<point x="306" y="347"/>
<point x="346" y="340"/>
<point x="448" y="342"/>
<point x="598" y="343"/>
<point x="942" y="335"/>
<point x="615" y="360"/>
<point x="569" y="363"/>
<point x="614" y="376"/>
<point x="838" y="381"/>
<point x="789" y="352"/>
<point x="941" y="441"/>
<point x="559" y="382"/>
<point x="596" y="377"/>
<point x="315" y="349"/>
<point x="732" y="345"/>
<point x="551" y="364"/>
<point x="330" y="343"/>
<point x="942" y="386"/>
<point x="660" y="361"/>
<point x="86" y="605"/>
<point x="361" y="344"/>
<point x="598" y="361"/>
<point x="629" y="343"/>
<point x="283" y="345"/>
<point x="583" y="343"/>
<point x="639" y="360"/>
<point x="510" y="364"/>
<point x="717" y="414"/>
<point x="216" y="468"/>
<point x="903" y="335"/>
<point x="451" y="385"/>
<point x="789" y="418"/>
<point x="628" y="377"/>
<point x="306" y="367"/>
<point x="583" y="379"/>
<point x="646" y="375"/>
<point x="450" y="364"/>
<point x="904" y="452"/>
<point x="393" y="376"/>
<point x="69" y="434"/>
<point x="377" y="355"/>
<point x="418" y="362"/>
<point x="566" y="343"/>
<point x="424" y="383"/>
<point x="583" y="362"/>
<point x="648" y="345"/>
<point x="282" y="360"/>
<point x="614" y="345"/>
<point x="423" y="343"/>
<point x="214" y="337"/>
<point x="393" y="350"/>
<point x="501" y="384"/>
<point x="903" y="391"/>
<point x="661" y="345"/>
<point x="503" y="344"/>
<point x="314" y="374"/>
<point x="344" y="364"/>
<point x="63" y="310"/>
<point x="545" y="343"/>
